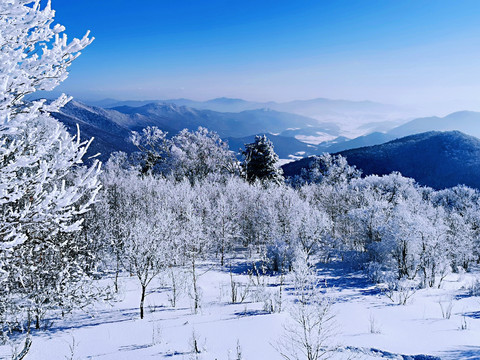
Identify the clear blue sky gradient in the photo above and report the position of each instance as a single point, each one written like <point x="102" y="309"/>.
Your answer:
<point x="422" y="53"/>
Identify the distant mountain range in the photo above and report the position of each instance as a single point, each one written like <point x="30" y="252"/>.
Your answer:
<point x="112" y="127"/>
<point x="435" y="159"/>
<point x="103" y="125"/>
<point x="244" y="123"/>
<point x="310" y="108"/>
<point x="467" y="122"/>
<point x="352" y="118"/>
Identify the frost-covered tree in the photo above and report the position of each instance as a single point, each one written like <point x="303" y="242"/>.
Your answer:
<point x="197" y="154"/>
<point x="44" y="186"/>
<point x="257" y="218"/>
<point x="314" y="231"/>
<point x="396" y="231"/>
<point x="309" y="334"/>
<point x="36" y="152"/>
<point x="148" y="248"/>
<point x="224" y="213"/>
<point x="462" y="216"/>
<point x="261" y="162"/>
<point x="192" y="237"/>
<point x="329" y="185"/>
<point x="330" y="169"/>
<point x="140" y="226"/>
<point x="286" y="207"/>
<point x="112" y="212"/>
<point x="461" y="240"/>
<point x="154" y="149"/>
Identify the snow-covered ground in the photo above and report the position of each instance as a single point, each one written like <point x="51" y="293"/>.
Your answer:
<point x="367" y="324"/>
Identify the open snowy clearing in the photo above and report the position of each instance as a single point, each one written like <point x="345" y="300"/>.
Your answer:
<point x="368" y="325"/>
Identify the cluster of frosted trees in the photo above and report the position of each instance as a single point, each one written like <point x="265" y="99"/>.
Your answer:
<point x="149" y="223"/>
<point x="393" y="228"/>
<point x="397" y="231"/>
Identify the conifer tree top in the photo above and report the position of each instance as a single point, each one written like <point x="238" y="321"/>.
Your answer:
<point x="261" y="161"/>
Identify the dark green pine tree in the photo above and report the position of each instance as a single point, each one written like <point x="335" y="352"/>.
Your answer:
<point x="260" y="162"/>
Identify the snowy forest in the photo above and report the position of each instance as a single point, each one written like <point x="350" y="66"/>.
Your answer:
<point x="76" y="235"/>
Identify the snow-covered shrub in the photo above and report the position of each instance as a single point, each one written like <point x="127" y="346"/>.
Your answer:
<point x="463" y="323"/>
<point x="157" y="333"/>
<point x="280" y="256"/>
<point x="373" y="325"/>
<point x="400" y="291"/>
<point x="446" y="307"/>
<point x="309" y="333"/>
<point x="177" y="279"/>
<point x="258" y="285"/>
<point x="273" y="300"/>
<point x="239" y="291"/>
<point x="474" y="288"/>
<point x="377" y="272"/>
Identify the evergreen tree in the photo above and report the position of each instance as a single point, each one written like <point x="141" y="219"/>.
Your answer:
<point x="260" y="161"/>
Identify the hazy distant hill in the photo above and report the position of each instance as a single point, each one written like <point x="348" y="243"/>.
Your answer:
<point x="225" y="104"/>
<point x="351" y="114"/>
<point x="225" y="124"/>
<point x="322" y="106"/>
<point x="464" y="121"/>
<point x="219" y="104"/>
<point x="342" y="144"/>
<point x="467" y="122"/>
<point x="436" y="159"/>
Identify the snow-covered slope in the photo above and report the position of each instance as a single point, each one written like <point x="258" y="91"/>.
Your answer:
<point x="105" y="126"/>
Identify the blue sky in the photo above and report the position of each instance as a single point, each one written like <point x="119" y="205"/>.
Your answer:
<point x="416" y="53"/>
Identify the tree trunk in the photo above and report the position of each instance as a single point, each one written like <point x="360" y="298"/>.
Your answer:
<point x="222" y="254"/>
<point x="117" y="270"/>
<point x="195" y="290"/>
<point x="37" y="321"/>
<point x="142" y="301"/>
<point x="26" y="348"/>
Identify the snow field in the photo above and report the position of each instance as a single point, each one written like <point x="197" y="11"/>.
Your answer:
<point x="365" y="319"/>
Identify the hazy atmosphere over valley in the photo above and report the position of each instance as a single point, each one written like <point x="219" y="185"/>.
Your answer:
<point x="239" y="180"/>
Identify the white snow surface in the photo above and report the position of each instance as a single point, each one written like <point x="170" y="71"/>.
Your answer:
<point x="115" y="331"/>
<point x="315" y="140"/>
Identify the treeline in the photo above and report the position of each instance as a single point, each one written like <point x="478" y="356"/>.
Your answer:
<point x="400" y="233"/>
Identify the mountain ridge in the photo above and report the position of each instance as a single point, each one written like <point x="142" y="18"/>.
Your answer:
<point x="436" y="159"/>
